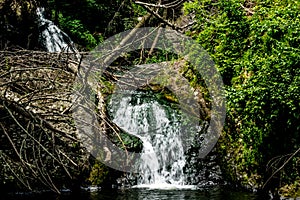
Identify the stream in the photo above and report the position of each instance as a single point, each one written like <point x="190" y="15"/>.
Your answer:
<point x="212" y="193"/>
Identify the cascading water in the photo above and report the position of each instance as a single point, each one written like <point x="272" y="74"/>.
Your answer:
<point x="51" y="37"/>
<point x="158" y="126"/>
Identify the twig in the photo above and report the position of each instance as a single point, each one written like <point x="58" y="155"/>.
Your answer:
<point x="175" y="27"/>
<point x="281" y="167"/>
<point x="169" y="5"/>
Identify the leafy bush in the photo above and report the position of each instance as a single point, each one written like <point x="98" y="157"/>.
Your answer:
<point x="255" y="45"/>
<point x="89" y="21"/>
<point x="79" y="33"/>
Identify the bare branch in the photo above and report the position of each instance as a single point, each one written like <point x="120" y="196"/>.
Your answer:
<point x="174" y="26"/>
<point x="166" y="6"/>
<point x="281" y="167"/>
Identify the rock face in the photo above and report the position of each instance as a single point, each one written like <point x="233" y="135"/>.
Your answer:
<point x="18" y="23"/>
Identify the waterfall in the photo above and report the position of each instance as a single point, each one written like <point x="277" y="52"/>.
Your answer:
<point x="159" y="128"/>
<point x="51" y="37"/>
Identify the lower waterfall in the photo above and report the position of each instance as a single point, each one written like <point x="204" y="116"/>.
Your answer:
<point x="159" y="128"/>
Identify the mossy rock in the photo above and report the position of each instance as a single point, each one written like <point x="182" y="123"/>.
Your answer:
<point x="98" y="174"/>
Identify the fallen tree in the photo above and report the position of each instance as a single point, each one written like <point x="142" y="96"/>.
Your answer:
<point x="38" y="137"/>
<point x="41" y="147"/>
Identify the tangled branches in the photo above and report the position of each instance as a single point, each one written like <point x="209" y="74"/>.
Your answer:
<point x="37" y="134"/>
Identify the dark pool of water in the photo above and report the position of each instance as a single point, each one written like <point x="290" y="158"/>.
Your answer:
<point x="216" y="193"/>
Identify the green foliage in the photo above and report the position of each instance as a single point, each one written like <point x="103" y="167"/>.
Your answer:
<point x="79" y="33"/>
<point x="291" y="190"/>
<point x="255" y="45"/>
<point x="89" y="21"/>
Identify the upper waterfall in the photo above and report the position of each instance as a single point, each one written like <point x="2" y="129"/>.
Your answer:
<point x="52" y="38"/>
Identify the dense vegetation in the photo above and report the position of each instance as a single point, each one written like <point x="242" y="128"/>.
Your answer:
<point x="89" y="21"/>
<point x="256" y="47"/>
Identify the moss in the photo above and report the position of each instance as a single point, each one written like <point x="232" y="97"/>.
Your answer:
<point x="107" y="87"/>
<point x="291" y="190"/>
<point x="98" y="174"/>
<point x="171" y="98"/>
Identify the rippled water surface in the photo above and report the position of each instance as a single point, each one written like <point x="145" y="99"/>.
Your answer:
<point x="216" y="193"/>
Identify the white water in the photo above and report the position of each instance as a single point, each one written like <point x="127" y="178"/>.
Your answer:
<point x="53" y="38"/>
<point x="163" y="158"/>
